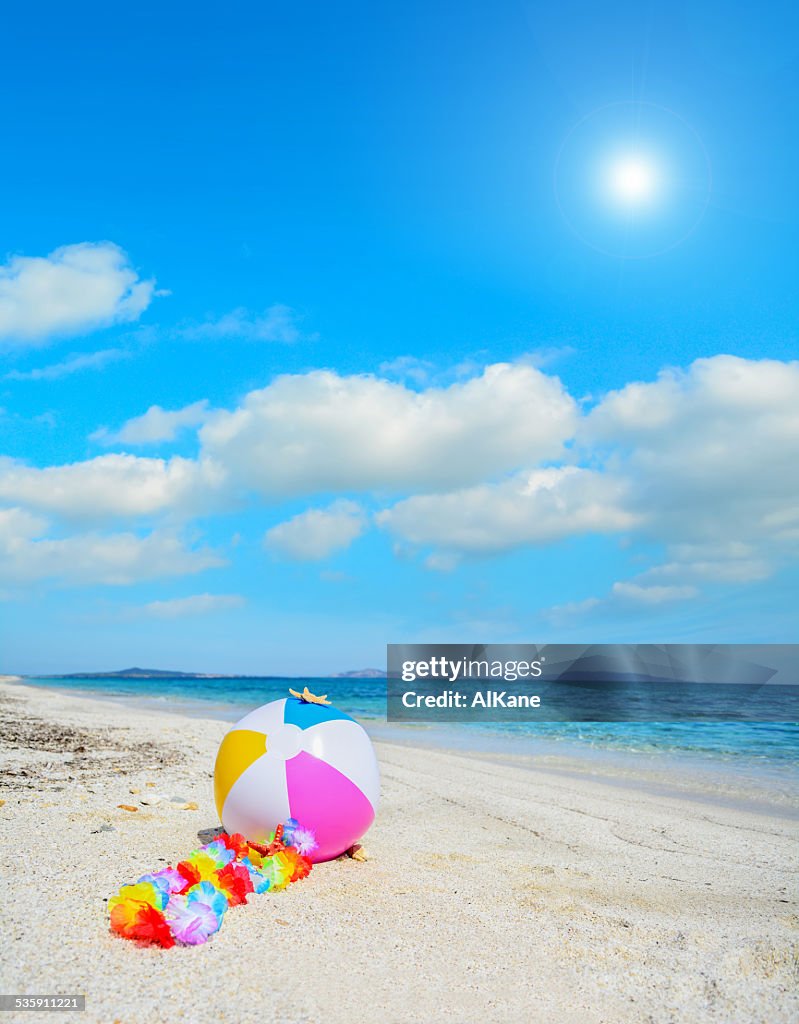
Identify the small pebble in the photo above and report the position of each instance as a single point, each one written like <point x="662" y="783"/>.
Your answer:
<point x="190" y="806"/>
<point x="127" y="807"/>
<point x="134" y="790"/>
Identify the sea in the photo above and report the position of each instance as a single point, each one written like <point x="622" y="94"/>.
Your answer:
<point x="765" y="752"/>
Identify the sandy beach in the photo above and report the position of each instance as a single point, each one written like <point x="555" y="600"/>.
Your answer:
<point x="493" y="890"/>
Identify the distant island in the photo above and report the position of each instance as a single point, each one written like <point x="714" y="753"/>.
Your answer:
<point x="160" y="673"/>
<point x="361" y="673"/>
<point x="143" y="673"/>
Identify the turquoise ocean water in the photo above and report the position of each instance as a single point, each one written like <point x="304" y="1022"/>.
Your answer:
<point x="772" y="747"/>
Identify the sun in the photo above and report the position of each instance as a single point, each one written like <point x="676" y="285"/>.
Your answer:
<point x="633" y="180"/>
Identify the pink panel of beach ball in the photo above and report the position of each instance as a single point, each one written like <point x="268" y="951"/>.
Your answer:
<point x="320" y="795"/>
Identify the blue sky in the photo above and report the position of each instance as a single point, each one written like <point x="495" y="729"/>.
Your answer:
<point x="413" y="382"/>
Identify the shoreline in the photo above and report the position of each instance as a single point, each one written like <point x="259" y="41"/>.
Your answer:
<point x="490" y="888"/>
<point x="666" y="772"/>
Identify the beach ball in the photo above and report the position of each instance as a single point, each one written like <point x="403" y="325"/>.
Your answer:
<point x="296" y="759"/>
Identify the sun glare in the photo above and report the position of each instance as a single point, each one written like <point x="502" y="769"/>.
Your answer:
<point x="633" y="180"/>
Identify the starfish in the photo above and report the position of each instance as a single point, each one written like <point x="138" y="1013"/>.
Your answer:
<point x="270" y="849"/>
<point x="309" y="698"/>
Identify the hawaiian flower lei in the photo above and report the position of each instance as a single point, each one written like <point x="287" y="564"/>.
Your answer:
<point x="188" y="903"/>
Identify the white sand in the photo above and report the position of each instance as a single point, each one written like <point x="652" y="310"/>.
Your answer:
<point x="493" y="892"/>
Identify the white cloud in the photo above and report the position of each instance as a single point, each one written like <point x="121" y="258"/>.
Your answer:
<point x="72" y="364"/>
<point x="277" y="323"/>
<point x="76" y="288"/>
<point x="710" y="455"/>
<point x="111" y="486"/>
<point x="700" y="462"/>
<point x="442" y="561"/>
<point x="116" y="559"/>
<point x="730" y="570"/>
<point x="155" y="425"/>
<point x="317" y="432"/>
<point x="17" y="524"/>
<point x="425" y="372"/>
<point x="559" y="612"/>
<point x="548" y="355"/>
<point x="642" y="594"/>
<point x="711" y="451"/>
<point x="536" y="507"/>
<point x="409" y="368"/>
<point x="318" y="532"/>
<point x="196" y="604"/>
<point x="625" y="596"/>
